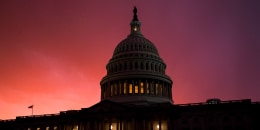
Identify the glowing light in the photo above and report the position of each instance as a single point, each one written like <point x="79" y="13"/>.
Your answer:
<point x="55" y="127"/>
<point x="111" y="127"/>
<point x="158" y="126"/>
<point x="135" y="29"/>
<point x="130" y="88"/>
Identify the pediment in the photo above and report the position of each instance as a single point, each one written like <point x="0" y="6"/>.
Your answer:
<point x="107" y="106"/>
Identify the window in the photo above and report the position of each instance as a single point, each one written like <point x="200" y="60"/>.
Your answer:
<point x="115" y="68"/>
<point x="125" y="66"/>
<point x="76" y="127"/>
<point x="142" y="87"/>
<point x="130" y="66"/>
<point x="135" y="28"/>
<point x="136" y="65"/>
<point x="156" y="67"/>
<point x="130" y="88"/>
<point x="111" y="90"/>
<point x="142" y="66"/>
<point x="167" y="90"/>
<point x="152" y="88"/>
<point x="115" y="89"/>
<point x="120" y="88"/>
<point x="124" y="87"/>
<point x="55" y="127"/>
<point x="104" y="94"/>
<point x="161" y="89"/>
<point x="147" y="88"/>
<point x="156" y="88"/>
<point x="136" y="88"/>
<point x="120" y="67"/>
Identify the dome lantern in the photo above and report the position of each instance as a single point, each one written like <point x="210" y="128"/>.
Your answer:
<point x="135" y="24"/>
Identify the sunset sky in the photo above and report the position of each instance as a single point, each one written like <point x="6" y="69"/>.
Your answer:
<point x="53" y="53"/>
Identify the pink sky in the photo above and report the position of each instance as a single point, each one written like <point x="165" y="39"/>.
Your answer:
<point x="53" y="53"/>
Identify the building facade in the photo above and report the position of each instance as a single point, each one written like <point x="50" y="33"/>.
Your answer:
<point x="136" y="94"/>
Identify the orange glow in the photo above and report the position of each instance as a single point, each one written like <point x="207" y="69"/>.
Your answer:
<point x="53" y="54"/>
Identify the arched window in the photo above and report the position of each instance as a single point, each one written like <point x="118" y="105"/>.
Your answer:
<point x="115" y="88"/>
<point x="111" y="90"/>
<point x="167" y="91"/>
<point x="55" y="128"/>
<point x="112" y="69"/>
<point x="156" y="67"/>
<point x="161" y="89"/>
<point x="146" y="65"/>
<point x="136" y="65"/>
<point x="160" y="68"/>
<point x="125" y="66"/>
<point x="156" y="89"/>
<point x="152" y="67"/>
<point x="147" y="88"/>
<point x="120" y="88"/>
<point x="115" y="68"/>
<point x="104" y="94"/>
<point x="142" y="65"/>
<point x="136" y="88"/>
<point x="141" y="87"/>
<point x="120" y="67"/>
<point x="152" y="88"/>
<point x="108" y="69"/>
<point x="125" y="87"/>
<point x="130" y="66"/>
<point x="130" y="88"/>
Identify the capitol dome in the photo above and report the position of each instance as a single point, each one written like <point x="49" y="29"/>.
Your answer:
<point x="136" y="73"/>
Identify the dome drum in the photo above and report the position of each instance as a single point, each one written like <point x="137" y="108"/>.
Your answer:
<point x="151" y="90"/>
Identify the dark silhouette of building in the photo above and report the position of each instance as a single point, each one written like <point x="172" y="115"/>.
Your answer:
<point x="136" y="94"/>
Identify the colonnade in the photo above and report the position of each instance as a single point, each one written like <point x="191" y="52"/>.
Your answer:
<point x="136" y="87"/>
<point x="144" y="65"/>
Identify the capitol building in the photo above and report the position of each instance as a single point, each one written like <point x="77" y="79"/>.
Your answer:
<point x="136" y="94"/>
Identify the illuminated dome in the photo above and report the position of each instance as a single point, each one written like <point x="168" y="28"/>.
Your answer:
<point x="136" y="73"/>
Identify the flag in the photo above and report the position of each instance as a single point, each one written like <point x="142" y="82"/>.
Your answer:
<point x="30" y="106"/>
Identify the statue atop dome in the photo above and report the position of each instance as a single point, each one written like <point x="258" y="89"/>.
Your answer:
<point x="135" y="14"/>
<point x="135" y="24"/>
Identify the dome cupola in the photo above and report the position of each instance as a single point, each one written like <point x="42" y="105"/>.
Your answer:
<point x="136" y="73"/>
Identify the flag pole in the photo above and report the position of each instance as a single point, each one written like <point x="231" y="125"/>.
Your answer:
<point x="31" y="107"/>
